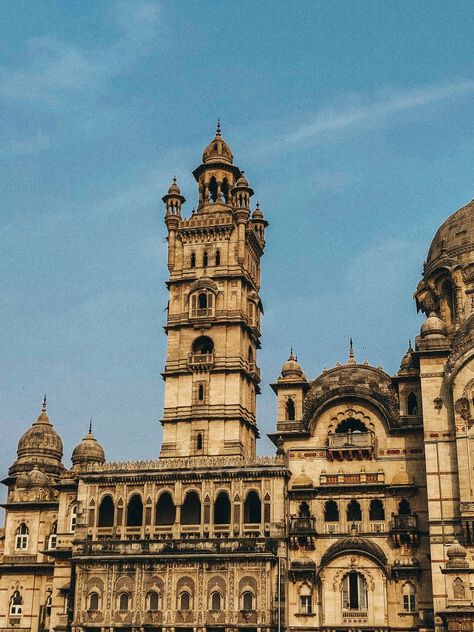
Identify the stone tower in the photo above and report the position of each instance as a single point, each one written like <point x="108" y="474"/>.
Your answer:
<point x="214" y="308"/>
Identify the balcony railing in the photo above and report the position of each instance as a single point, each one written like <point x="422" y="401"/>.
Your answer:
<point x="404" y="529"/>
<point x="350" y="445"/>
<point x="202" y="312"/>
<point x="200" y="360"/>
<point x="302" y="526"/>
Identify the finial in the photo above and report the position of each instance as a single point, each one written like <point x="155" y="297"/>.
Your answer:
<point x="257" y="205"/>
<point x="174" y="179"/>
<point x="218" y="127"/>
<point x="351" y="359"/>
<point x="90" y="426"/>
<point x="43" y="408"/>
<point x="291" y="350"/>
<point x="409" y="345"/>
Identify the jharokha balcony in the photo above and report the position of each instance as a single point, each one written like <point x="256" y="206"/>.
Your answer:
<point x="200" y="360"/>
<point x="350" y="446"/>
<point x="404" y="529"/>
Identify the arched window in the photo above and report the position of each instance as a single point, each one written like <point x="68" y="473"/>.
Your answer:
<point x="94" y="601"/>
<point x="153" y="601"/>
<point x="203" y="345"/>
<point x="201" y="304"/>
<point x="53" y="537"/>
<point x="106" y="512"/>
<point x="47" y="605"/>
<point x="185" y="601"/>
<point x="306" y="602"/>
<point x="16" y="604"/>
<point x="205" y="259"/>
<point x="412" y="404"/>
<point x="124" y="601"/>
<point x="222" y="511"/>
<point x="212" y="197"/>
<point x="191" y="509"/>
<point x="290" y="409"/>
<point x="165" y="510"/>
<point x="331" y="511"/>
<point x="376" y="510"/>
<point x="135" y="511"/>
<point x="225" y="190"/>
<point x="199" y="441"/>
<point x="354" y="592"/>
<point x="21" y="540"/>
<point x="252" y="508"/>
<point x="193" y="260"/>
<point x="248" y="600"/>
<point x="201" y="399"/>
<point x="216" y="601"/>
<point x="73" y="518"/>
<point x="202" y="300"/>
<point x="408" y="595"/>
<point x="351" y="425"/>
<point x="304" y="511"/>
<point x="354" y="512"/>
<point x="404" y="508"/>
<point x="218" y="257"/>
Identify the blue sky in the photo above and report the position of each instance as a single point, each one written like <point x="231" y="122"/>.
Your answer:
<point x="353" y="122"/>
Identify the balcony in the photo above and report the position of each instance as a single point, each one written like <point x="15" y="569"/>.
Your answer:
<point x="200" y="361"/>
<point x="303" y="526"/>
<point x="205" y="312"/>
<point x="404" y="529"/>
<point x="349" y="446"/>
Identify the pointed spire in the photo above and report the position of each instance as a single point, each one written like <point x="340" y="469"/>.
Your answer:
<point x="43" y="416"/>
<point x="351" y="359"/>
<point x="90" y="426"/>
<point x="43" y="408"/>
<point x="218" y="127"/>
<point x="409" y="345"/>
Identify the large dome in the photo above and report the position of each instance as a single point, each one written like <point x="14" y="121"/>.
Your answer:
<point x="454" y="237"/>
<point x="39" y="446"/>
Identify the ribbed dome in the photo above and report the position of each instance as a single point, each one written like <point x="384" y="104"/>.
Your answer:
<point x="242" y="181"/>
<point x="303" y="562"/>
<point x="407" y="359"/>
<point x="37" y="478"/>
<point x="433" y="327"/>
<point x="302" y="480"/>
<point x="217" y="150"/>
<point x="174" y="188"/>
<point x="457" y="556"/>
<point x="291" y="368"/>
<point x="455" y="236"/>
<point x="40" y="445"/>
<point x="88" y="450"/>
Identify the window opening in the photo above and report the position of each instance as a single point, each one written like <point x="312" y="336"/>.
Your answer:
<point x="165" y="510"/>
<point x="354" y="512"/>
<point x="218" y="257"/>
<point x="185" y="601"/>
<point x="93" y="601"/>
<point x="354" y="592"/>
<point x="216" y="601"/>
<point x="21" y="542"/>
<point x="193" y="260"/>
<point x="222" y="510"/>
<point x="409" y="603"/>
<point x="412" y="404"/>
<point x="191" y="509"/>
<point x="376" y="510"/>
<point x="290" y="409"/>
<point x="247" y="600"/>
<point x="106" y="512"/>
<point x="199" y="441"/>
<point x="331" y="511"/>
<point x="135" y="511"/>
<point x="16" y="603"/>
<point x="124" y="601"/>
<point x="252" y="508"/>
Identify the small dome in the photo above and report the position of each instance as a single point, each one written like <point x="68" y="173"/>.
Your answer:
<point x="407" y="359"/>
<point x="88" y="450"/>
<point x="41" y="445"/>
<point x="457" y="556"/>
<point x="292" y="367"/>
<point x="302" y="480"/>
<point x="433" y="327"/>
<point x="242" y="181"/>
<point x="174" y="188"/>
<point x="37" y="478"/>
<point x="402" y="478"/>
<point x="257" y="214"/>
<point x="217" y="150"/>
<point x="406" y="559"/>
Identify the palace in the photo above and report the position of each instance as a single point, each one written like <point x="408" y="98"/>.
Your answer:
<point x="362" y="520"/>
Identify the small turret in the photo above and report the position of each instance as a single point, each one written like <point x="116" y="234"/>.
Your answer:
<point x="242" y="193"/>
<point x="173" y="201"/>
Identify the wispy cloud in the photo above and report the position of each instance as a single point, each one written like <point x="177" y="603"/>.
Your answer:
<point x="56" y="68"/>
<point x="357" y="113"/>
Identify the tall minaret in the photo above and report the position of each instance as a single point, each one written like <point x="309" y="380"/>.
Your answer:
<point x="214" y="311"/>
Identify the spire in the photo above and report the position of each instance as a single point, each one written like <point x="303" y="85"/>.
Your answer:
<point x="218" y="127"/>
<point x="409" y="345"/>
<point x="90" y="426"/>
<point x="43" y="408"/>
<point x="43" y="416"/>
<point x="351" y="359"/>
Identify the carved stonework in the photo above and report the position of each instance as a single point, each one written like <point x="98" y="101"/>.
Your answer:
<point x="462" y="407"/>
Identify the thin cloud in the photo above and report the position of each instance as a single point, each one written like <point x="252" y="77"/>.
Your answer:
<point x="364" y="112"/>
<point x="56" y="68"/>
